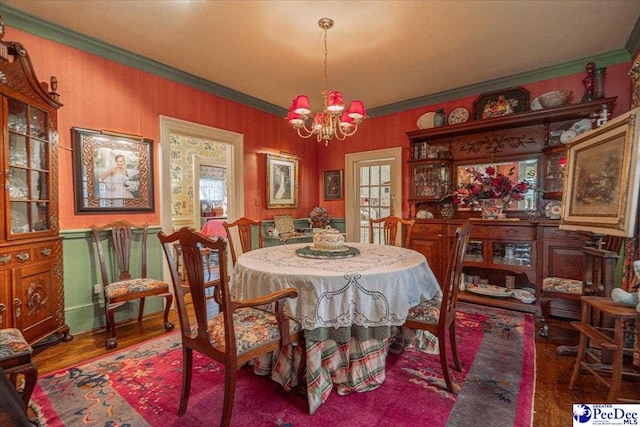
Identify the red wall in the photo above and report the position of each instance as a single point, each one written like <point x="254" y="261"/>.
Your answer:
<point x="101" y="94"/>
<point x="390" y="131"/>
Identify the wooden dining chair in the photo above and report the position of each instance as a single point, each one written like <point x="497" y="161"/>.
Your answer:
<point x="244" y="227"/>
<point x="234" y="336"/>
<point x="439" y="315"/>
<point x="598" y="271"/>
<point x="126" y="244"/>
<point x="388" y="226"/>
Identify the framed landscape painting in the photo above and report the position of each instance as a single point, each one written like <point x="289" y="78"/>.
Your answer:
<point x="282" y="181"/>
<point x="112" y="172"/>
<point x="603" y="169"/>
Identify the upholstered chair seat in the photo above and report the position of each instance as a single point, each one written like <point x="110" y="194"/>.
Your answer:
<point x="560" y="284"/>
<point x="15" y="361"/>
<point x="253" y="327"/>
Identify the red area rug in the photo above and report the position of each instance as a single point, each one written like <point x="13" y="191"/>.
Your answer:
<point x="140" y="386"/>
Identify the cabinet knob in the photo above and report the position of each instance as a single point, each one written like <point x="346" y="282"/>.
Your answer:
<point x="5" y="259"/>
<point x="17" y="302"/>
<point x="46" y="251"/>
<point x="23" y="256"/>
<point x="3" y="307"/>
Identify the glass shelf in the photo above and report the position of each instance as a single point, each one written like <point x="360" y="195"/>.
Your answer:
<point x="511" y="254"/>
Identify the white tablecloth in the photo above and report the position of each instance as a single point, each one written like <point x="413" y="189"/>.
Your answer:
<point x="347" y="307"/>
<point x="375" y="288"/>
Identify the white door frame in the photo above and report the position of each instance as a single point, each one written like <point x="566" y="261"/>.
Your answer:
<point x="169" y="125"/>
<point x="394" y="155"/>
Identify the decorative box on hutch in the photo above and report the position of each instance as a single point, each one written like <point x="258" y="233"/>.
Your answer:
<point x="31" y="272"/>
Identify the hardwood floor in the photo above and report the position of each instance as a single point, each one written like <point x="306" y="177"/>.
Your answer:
<point x="553" y="399"/>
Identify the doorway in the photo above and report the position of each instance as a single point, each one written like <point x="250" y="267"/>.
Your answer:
<point x="373" y="186"/>
<point x="177" y="214"/>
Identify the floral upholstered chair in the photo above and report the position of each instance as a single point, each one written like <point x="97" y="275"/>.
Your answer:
<point x="116" y="244"/>
<point x="15" y="360"/>
<point x="598" y="275"/>
<point x="238" y="333"/>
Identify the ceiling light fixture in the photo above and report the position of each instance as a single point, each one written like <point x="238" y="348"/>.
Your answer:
<point x="332" y="122"/>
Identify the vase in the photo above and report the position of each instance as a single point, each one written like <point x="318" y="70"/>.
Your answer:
<point x="492" y="208"/>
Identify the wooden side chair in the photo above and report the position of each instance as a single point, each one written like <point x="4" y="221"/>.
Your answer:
<point x="388" y="226"/>
<point x="15" y="361"/>
<point x="598" y="279"/>
<point x="236" y="335"/>
<point x="244" y="227"/>
<point x="439" y="315"/>
<point x="123" y="240"/>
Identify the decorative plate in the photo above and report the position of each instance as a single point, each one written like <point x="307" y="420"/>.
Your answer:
<point x="424" y="214"/>
<point x="553" y="209"/>
<point x="535" y="105"/>
<point x="522" y="294"/>
<point x="458" y="115"/>
<point x="426" y="120"/>
<point x="568" y="135"/>
<point x="345" y="252"/>
<point x="489" y="290"/>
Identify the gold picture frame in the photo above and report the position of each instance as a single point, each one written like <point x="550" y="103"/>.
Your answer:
<point x="601" y="183"/>
<point x="282" y="181"/>
<point x="113" y="172"/>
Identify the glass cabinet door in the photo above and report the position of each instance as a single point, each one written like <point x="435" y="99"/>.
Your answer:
<point x="430" y="180"/>
<point x="475" y="251"/>
<point x="28" y="172"/>
<point x="512" y="253"/>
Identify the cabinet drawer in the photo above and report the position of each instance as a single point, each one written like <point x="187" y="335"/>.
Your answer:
<point x="556" y="233"/>
<point x="15" y="257"/>
<point x="504" y="232"/>
<point x="428" y="229"/>
<point x="43" y="251"/>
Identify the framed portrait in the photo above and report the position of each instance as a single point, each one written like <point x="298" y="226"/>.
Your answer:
<point x="333" y="185"/>
<point x="282" y="181"/>
<point x="112" y="172"/>
<point x="501" y="103"/>
<point x="601" y="186"/>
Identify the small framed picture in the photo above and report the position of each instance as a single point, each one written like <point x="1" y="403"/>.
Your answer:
<point x="333" y="185"/>
<point x="282" y="181"/>
<point x="112" y="172"/>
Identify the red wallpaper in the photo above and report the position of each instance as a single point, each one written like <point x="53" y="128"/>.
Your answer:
<point x="101" y="94"/>
<point x="390" y="131"/>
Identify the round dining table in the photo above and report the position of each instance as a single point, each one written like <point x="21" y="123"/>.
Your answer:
<point x="347" y="304"/>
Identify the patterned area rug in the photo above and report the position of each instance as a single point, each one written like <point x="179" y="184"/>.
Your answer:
<point x="140" y="386"/>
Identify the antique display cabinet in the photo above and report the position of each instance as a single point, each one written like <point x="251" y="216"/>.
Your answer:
<point x="526" y="245"/>
<point x="31" y="271"/>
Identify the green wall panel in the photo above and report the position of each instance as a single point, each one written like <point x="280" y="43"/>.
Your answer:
<point x="84" y="311"/>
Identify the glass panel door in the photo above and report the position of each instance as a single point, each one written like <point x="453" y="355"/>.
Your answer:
<point x="376" y="198"/>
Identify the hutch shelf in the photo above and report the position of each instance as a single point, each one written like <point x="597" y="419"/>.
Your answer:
<point x="31" y="273"/>
<point x="528" y="244"/>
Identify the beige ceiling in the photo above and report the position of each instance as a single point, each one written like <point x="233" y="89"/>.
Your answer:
<point x="381" y="52"/>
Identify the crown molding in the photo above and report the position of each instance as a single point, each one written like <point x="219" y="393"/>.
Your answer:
<point x="48" y="30"/>
<point x="572" y="67"/>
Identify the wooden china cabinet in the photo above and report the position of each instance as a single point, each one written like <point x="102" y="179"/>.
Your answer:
<point x="527" y="244"/>
<point x="31" y="274"/>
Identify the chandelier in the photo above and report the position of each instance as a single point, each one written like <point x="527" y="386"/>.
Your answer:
<point x="333" y="121"/>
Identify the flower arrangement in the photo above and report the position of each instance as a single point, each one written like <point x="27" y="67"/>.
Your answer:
<point x="319" y="217"/>
<point x="489" y="185"/>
